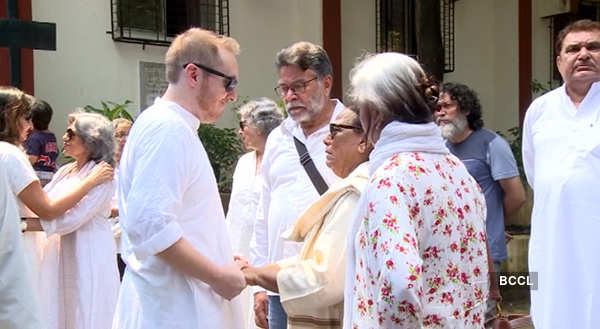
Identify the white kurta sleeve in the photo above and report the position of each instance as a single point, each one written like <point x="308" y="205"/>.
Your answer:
<point x="527" y="147"/>
<point x="95" y="202"/>
<point x="154" y="199"/>
<point x="396" y="270"/>
<point x="318" y="280"/>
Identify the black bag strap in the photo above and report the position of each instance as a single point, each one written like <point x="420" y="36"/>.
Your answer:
<point x="309" y="166"/>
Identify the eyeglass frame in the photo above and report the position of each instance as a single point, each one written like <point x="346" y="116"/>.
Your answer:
<point x="335" y="128"/>
<point x="231" y="82"/>
<point x="243" y="124"/>
<point x="295" y="90"/>
<point x="70" y="134"/>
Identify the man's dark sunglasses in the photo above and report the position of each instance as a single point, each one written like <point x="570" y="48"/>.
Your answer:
<point x="335" y="128"/>
<point x="230" y="82"/>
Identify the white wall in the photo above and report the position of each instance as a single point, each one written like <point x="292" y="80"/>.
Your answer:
<point x="486" y="52"/>
<point x="89" y="66"/>
<point x="358" y="34"/>
<point x="263" y="28"/>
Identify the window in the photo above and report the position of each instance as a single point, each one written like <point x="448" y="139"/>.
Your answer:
<point x="156" y="22"/>
<point x="397" y="28"/>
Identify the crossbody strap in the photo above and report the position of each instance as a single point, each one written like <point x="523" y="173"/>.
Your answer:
<point x="309" y="166"/>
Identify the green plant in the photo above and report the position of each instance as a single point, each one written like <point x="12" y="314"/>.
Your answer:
<point x="115" y="110"/>
<point x="514" y="137"/>
<point x="223" y="148"/>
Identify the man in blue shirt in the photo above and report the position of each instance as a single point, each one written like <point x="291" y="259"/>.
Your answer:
<point x="488" y="159"/>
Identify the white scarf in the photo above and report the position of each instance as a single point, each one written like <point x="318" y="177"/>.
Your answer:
<point x="397" y="137"/>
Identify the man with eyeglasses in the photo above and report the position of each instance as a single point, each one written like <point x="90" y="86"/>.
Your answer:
<point x="180" y="268"/>
<point x="304" y="85"/>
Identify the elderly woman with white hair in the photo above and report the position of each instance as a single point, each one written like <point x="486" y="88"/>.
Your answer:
<point x="78" y="277"/>
<point x="257" y="119"/>
<point x="417" y="248"/>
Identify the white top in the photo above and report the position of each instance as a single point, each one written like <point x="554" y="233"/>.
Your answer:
<point x="243" y="203"/>
<point x="78" y="276"/>
<point x="287" y="189"/>
<point x="167" y="190"/>
<point x="561" y="156"/>
<point x="19" y="305"/>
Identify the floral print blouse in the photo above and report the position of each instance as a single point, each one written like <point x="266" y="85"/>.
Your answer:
<point x="420" y="248"/>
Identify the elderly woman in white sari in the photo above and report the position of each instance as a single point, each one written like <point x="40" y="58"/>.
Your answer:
<point x="311" y="285"/>
<point x="78" y="277"/>
<point x="257" y="119"/>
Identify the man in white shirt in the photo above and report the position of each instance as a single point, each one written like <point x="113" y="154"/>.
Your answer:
<point x="180" y="269"/>
<point x="561" y="157"/>
<point x="304" y="84"/>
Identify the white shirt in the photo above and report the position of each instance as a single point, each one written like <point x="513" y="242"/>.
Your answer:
<point x="241" y="213"/>
<point x="78" y="276"/>
<point x="167" y="191"/>
<point x="561" y="156"/>
<point x="287" y="188"/>
<point x="19" y="305"/>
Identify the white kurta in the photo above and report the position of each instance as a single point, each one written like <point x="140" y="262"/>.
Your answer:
<point x="18" y="303"/>
<point x="241" y="215"/>
<point x="241" y="212"/>
<point x="561" y="156"/>
<point x="167" y="191"/>
<point x="78" y="277"/>
<point x="287" y="189"/>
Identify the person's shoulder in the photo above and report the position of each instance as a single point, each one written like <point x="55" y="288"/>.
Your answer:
<point x="542" y="102"/>
<point x="10" y="150"/>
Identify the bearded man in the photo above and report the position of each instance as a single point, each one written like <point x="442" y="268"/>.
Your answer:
<point x="488" y="159"/>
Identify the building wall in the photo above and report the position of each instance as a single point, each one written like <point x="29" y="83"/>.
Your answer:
<point x="486" y="53"/>
<point x="358" y="34"/>
<point x="89" y="67"/>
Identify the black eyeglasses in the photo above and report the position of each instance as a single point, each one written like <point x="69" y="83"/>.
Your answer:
<point x="230" y="82"/>
<point x="296" y="88"/>
<point x="243" y="124"/>
<point x="70" y="134"/>
<point x="335" y="128"/>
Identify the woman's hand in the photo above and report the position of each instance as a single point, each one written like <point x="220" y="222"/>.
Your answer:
<point x="102" y="173"/>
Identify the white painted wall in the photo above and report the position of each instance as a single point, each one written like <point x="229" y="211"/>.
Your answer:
<point x="486" y="52"/>
<point x="89" y="66"/>
<point x="358" y="34"/>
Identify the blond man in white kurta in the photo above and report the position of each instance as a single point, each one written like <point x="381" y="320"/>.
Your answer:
<point x="561" y="156"/>
<point x="180" y="271"/>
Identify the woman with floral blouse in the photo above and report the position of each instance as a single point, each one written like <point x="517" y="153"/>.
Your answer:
<point x="417" y="248"/>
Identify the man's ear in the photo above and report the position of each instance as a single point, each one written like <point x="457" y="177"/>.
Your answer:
<point x="328" y="83"/>
<point x="191" y="75"/>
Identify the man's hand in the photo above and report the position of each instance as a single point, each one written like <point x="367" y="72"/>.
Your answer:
<point x="261" y="307"/>
<point x="231" y="282"/>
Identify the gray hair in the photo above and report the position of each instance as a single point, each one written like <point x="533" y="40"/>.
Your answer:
<point x="393" y="86"/>
<point x="262" y="113"/>
<point x="96" y="132"/>
<point x="120" y="121"/>
<point x="305" y="55"/>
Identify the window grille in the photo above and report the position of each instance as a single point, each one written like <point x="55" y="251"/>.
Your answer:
<point x="396" y="28"/>
<point x="157" y="22"/>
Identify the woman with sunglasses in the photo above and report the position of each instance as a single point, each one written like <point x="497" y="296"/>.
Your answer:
<point x="79" y="280"/>
<point x="257" y="119"/>
<point x="311" y="285"/>
<point x="19" y="185"/>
